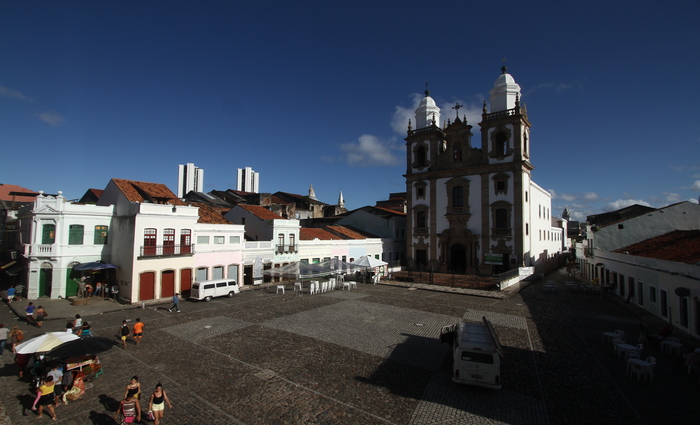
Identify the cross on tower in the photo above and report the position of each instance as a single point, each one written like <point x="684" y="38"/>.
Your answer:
<point x="456" y="108"/>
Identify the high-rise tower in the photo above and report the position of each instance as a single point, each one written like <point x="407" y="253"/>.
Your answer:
<point x="189" y="178"/>
<point x="248" y="180"/>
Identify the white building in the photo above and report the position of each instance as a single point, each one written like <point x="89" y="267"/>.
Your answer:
<point x="56" y="235"/>
<point x="473" y="207"/>
<point x="651" y="258"/>
<point x="189" y="178"/>
<point x="248" y="180"/>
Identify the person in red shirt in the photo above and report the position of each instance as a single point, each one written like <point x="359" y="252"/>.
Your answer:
<point x="137" y="330"/>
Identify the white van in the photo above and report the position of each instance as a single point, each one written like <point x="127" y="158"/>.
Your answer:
<point x="209" y="289"/>
<point x="476" y="353"/>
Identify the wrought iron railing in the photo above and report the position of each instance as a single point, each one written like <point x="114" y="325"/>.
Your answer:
<point x="166" y="250"/>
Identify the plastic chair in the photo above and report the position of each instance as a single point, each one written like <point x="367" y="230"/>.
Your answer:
<point x="280" y="287"/>
<point x="635" y="354"/>
<point x="620" y="339"/>
<point x="352" y="283"/>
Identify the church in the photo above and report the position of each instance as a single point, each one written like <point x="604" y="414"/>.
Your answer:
<point x="472" y="204"/>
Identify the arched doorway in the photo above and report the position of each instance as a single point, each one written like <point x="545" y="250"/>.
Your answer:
<point x="167" y="283"/>
<point x="458" y="258"/>
<point x="147" y="286"/>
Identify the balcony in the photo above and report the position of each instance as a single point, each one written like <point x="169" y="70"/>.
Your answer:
<point x="286" y="249"/>
<point x="166" y="250"/>
<point x="501" y="232"/>
<point x="36" y="250"/>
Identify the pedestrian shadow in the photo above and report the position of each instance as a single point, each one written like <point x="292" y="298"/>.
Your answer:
<point x="10" y="369"/>
<point x="26" y="401"/>
<point x="101" y="418"/>
<point x="109" y="403"/>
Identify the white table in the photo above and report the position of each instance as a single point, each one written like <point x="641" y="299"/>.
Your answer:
<point x="672" y="346"/>
<point x="610" y="336"/>
<point x="626" y="349"/>
<point x="642" y="364"/>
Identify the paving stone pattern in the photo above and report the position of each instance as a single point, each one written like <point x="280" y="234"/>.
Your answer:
<point x="368" y="356"/>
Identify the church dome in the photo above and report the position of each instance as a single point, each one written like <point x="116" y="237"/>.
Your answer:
<point x="505" y="92"/>
<point x="427" y="112"/>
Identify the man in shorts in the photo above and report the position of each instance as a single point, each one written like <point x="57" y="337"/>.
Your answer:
<point x="29" y="313"/>
<point x="138" y="331"/>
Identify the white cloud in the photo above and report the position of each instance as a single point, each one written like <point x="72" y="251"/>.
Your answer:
<point x="369" y="150"/>
<point x="694" y="200"/>
<point x="52" y="118"/>
<point x="622" y="203"/>
<point x="13" y="94"/>
<point x="399" y="121"/>
<point x="590" y="196"/>
<point x="696" y="186"/>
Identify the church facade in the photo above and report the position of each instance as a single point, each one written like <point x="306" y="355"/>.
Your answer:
<point x="472" y="205"/>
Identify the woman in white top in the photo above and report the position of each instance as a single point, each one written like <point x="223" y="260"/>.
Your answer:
<point x="77" y="323"/>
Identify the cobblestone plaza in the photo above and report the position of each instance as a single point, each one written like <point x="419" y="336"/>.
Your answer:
<point x="369" y="356"/>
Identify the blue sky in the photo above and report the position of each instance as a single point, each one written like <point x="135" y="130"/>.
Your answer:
<point x="319" y="92"/>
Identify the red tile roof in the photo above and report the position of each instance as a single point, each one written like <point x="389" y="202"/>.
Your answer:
<point x="261" y="212"/>
<point x="209" y="214"/>
<point x="5" y="190"/>
<point x="311" y="233"/>
<point x="347" y="232"/>
<point x="156" y="193"/>
<point x="681" y="246"/>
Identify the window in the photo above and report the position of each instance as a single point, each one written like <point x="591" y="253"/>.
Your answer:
<point x="420" y="219"/>
<point x="48" y="234"/>
<point x="640" y="291"/>
<point x="201" y="274"/>
<point x="217" y="272"/>
<point x="527" y="228"/>
<point x="292" y="242"/>
<point x="420" y="157"/>
<point x="280" y="239"/>
<point x="458" y="155"/>
<point x="234" y="239"/>
<point x="75" y="234"/>
<point x="219" y="240"/>
<point x="501" y="218"/>
<point x="185" y="241"/>
<point x="652" y="294"/>
<point x="457" y="197"/>
<point x="100" y="235"/>
<point x="501" y="147"/>
<point x="663" y="309"/>
<point x="202" y="240"/>
<point x="168" y="241"/>
<point x="149" y="241"/>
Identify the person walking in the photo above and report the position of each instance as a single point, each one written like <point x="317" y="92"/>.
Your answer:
<point x="129" y="409"/>
<point x="10" y="294"/>
<point x="4" y="332"/>
<point x="40" y="316"/>
<point x="138" y="331"/>
<point x="16" y="336"/>
<point x="47" y="397"/>
<point x="57" y="374"/>
<point x="133" y="388"/>
<point x="124" y="333"/>
<point x="176" y="303"/>
<point x="156" y="404"/>
<point x="29" y="313"/>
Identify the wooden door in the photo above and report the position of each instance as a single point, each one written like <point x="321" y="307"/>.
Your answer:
<point x="167" y="284"/>
<point x="147" y="286"/>
<point x="185" y="282"/>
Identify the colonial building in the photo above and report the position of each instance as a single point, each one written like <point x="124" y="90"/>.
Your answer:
<point x="472" y="206"/>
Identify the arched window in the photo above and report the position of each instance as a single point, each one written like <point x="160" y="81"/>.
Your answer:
<point x="149" y="241"/>
<point x="458" y="155"/>
<point x="168" y="241"/>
